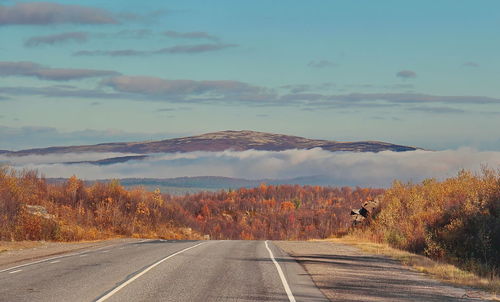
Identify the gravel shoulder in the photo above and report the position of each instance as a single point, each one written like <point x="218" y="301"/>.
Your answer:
<point x="15" y="253"/>
<point x="345" y="273"/>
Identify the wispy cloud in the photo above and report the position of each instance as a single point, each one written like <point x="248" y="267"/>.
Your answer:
<point x="81" y="37"/>
<point x="111" y="53"/>
<point x="194" y="35"/>
<point x="191" y="49"/>
<point x="131" y="33"/>
<point x="143" y="88"/>
<point x="30" y="69"/>
<point x="46" y="13"/>
<point x="405" y="86"/>
<point x="180" y="89"/>
<point x="56" y="91"/>
<point x="437" y="110"/>
<point x="406" y="74"/>
<point x="298" y="88"/>
<point x="57" y="39"/>
<point x="490" y="113"/>
<point x="147" y="17"/>
<point x="173" y="109"/>
<point x="364" y="99"/>
<point x="471" y="64"/>
<point x="178" y="49"/>
<point x="365" y="169"/>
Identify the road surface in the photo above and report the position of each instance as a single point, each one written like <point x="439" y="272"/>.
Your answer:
<point x="158" y="270"/>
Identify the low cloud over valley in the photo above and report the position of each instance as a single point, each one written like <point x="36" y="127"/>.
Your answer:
<point x="339" y="168"/>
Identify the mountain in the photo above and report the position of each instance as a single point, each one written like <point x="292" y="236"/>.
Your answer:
<point x="224" y="140"/>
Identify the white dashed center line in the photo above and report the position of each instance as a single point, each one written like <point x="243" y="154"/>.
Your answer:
<point x="13" y="272"/>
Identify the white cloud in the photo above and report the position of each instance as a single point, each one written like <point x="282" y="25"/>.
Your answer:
<point x="365" y="169"/>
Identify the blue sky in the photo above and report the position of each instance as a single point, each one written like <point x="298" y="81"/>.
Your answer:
<point x="424" y="73"/>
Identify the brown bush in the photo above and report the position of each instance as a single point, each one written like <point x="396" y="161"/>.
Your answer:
<point x="455" y="220"/>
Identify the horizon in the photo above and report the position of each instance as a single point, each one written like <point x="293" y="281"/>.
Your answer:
<point x="335" y="70"/>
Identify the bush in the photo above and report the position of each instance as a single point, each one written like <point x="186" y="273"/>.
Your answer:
<point x="456" y="220"/>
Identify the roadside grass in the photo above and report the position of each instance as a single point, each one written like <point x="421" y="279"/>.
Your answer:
<point x="441" y="271"/>
<point x="6" y="246"/>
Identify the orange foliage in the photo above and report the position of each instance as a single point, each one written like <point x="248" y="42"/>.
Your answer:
<point x="287" y="206"/>
<point x="101" y="210"/>
<point x="77" y="211"/>
<point x="272" y="212"/>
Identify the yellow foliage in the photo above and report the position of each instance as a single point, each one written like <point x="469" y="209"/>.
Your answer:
<point x="457" y="220"/>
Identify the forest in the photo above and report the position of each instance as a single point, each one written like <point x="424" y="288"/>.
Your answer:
<point x="456" y="220"/>
<point x="77" y="211"/>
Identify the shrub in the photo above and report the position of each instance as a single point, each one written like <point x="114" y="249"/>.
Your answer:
<point x="456" y="220"/>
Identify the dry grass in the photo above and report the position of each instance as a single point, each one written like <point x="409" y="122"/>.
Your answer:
<point x="440" y="271"/>
<point x="17" y="245"/>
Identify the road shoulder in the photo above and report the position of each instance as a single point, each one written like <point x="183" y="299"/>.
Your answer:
<point x="345" y="273"/>
<point x="20" y="252"/>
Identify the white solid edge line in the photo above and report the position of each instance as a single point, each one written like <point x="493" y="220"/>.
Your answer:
<point x="36" y="262"/>
<point x="48" y="259"/>
<point x="288" y="291"/>
<point x="62" y="256"/>
<point x="116" y="289"/>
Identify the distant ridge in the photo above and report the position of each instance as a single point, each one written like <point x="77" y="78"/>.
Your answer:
<point x="182" y="185"/>
<point x="224" y="140"/>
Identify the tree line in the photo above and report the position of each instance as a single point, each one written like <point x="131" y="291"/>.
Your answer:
<point x="101" y="210"/>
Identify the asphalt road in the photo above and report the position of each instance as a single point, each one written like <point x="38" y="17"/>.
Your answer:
<point x="156" y="270"/>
